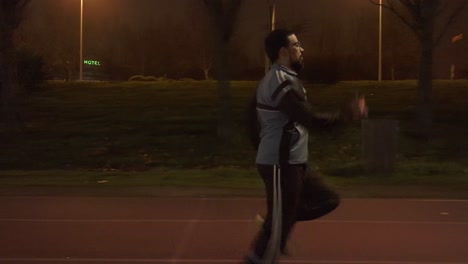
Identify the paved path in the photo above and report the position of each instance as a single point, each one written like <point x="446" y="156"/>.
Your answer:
<point x="197" y="230"/>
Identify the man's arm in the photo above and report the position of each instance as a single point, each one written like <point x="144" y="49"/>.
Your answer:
<point x="301" y="112"/>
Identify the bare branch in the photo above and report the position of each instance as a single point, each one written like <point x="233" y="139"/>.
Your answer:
<point x="412" y="24"/>
<point x="413" y="8"/>
<point x="377" y="4"/>
<point x="442" y="9"/>
<point x="13" y="11"/>
<point x="450" y="20"/>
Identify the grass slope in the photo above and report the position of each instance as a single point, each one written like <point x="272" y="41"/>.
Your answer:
<point x="164" y="133"/>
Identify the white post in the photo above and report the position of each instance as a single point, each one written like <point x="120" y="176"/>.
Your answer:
<point x="81" y="42"/>
<point x="380" y="41"/>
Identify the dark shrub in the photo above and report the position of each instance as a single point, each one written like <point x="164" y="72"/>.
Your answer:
<point x="30" y="67"/>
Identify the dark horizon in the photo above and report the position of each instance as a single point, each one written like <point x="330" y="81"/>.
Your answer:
<point x="117" y="30"/>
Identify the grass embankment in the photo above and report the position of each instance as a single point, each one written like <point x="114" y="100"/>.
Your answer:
<point x="164" y="134"/>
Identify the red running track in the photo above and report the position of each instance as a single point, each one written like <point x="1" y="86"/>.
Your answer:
<point x="196" y="230"/>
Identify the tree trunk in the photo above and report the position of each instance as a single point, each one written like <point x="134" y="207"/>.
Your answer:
<point x="223" y="14"/>
<point x="10" y="97"/>
<point x="11" y="13"/>
<point x="225" y="126"/>
<point x="424" y="112"/>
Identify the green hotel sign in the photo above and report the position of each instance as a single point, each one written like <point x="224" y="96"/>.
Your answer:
<point x="92" y="62"/>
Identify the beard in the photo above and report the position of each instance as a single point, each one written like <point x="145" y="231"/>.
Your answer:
<point x="297" y="65"/>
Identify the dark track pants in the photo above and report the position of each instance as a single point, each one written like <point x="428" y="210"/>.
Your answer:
<point x="294" y="193"/>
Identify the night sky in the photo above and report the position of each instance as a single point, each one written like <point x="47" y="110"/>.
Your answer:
<point x="338" y="18"/>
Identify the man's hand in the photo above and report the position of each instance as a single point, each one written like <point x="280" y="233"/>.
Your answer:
<point x="362" y="106"/>
<point x="355" y="109"/>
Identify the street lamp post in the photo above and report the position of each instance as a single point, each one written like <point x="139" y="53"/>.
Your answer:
<point x="81" y="42"/>
<point x="271" y="27"/>
<point x="380" y="42"/>
<point x="272" y="16"/>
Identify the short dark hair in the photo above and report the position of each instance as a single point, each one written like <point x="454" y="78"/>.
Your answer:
<point x="276" y="40"/>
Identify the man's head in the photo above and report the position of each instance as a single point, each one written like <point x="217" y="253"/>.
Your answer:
<point x="283" y="47"/>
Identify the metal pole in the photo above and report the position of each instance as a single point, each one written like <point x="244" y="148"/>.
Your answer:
<point x="271" y="27"/>
<point x="380" y="41"/>
<point x="81" y="42"/>
<point x="273" y="16"/>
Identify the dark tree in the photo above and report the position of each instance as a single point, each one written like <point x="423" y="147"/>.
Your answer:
<point x="223" y="14"/>
<point x="429" y="20"/>
<point x="11" y="15"/>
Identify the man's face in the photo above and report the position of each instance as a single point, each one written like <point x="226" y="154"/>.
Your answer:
<point x="295" y="53"/>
